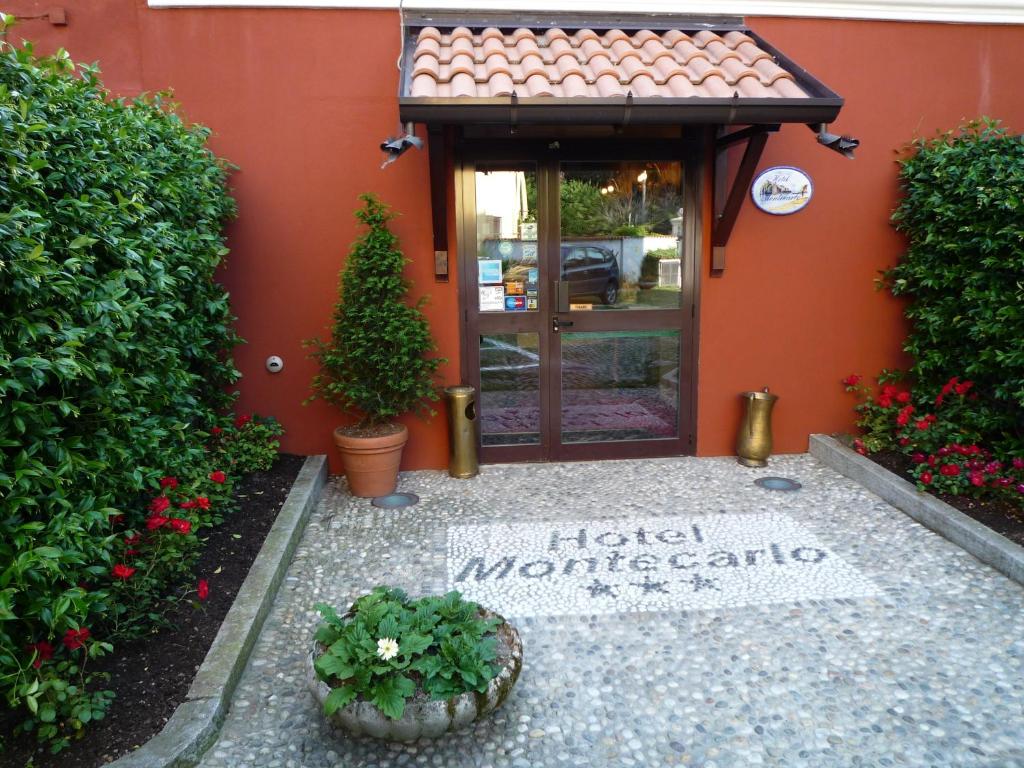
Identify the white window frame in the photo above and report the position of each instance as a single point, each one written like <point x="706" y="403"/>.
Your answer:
<point x="960" y="11"/>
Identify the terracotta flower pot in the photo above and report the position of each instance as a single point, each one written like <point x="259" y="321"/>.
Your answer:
<point x="371" y="461"/>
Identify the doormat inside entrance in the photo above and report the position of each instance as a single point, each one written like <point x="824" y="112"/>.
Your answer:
<point x="645" y="564"/>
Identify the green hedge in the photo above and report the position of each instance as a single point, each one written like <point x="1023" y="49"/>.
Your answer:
<point x="114" y="342"/>
<point x="963" y="214"/>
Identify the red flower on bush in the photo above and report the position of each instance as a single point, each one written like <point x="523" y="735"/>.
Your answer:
<point x="218" y="477"/>
<point x="202" y="502"/>
<point x="926" y="477"/>
<point x="922" y="424"/>
<point x="1020" y="488"/>
<point x="156" y="522"/>
<point x="949" y="470"/>
<point x="852" y="380"/>
<point x="133" y="539"/>
<point x="904" y="442"/>
<point x="75" y="638"/>
<point x="215" y="431"/>
<point x="159" y="504"/>
<point x="884" y="401"/>
<point x="169" y="482"/>
<point x="122" y="571"/>
<point x="1018" y="463"/>
<point x="43" y="651"/>
<point x="181" y="526"/>
<point x="963" y="387"/>
<point x="918" y="458"/>
<point x="203" y="589"/>
<point x="977" y="479"/>
<point x="116" y="519"/>
<point x="242" y="420"/>
<point x="903" y="397"/>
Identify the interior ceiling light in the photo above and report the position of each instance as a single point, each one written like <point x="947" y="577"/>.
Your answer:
<point x="844" y="145"/>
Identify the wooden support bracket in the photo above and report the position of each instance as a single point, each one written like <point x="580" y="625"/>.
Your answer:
<point x="728" y="205"/>
<point x="437" y="147"/>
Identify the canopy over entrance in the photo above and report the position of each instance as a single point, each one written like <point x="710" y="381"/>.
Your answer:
<point x="671" y="71"/>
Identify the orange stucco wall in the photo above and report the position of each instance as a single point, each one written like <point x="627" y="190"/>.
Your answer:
<point x="299" y="99"/>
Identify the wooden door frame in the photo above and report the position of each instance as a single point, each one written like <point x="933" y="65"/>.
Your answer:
<point x="690" y="150"/>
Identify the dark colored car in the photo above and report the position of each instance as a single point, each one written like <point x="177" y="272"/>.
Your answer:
<point x="590" y="270"/>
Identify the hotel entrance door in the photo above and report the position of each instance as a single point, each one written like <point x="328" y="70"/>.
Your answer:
<point x="579" y="289"/>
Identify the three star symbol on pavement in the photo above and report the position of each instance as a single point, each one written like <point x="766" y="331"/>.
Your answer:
<point x="599" y="588"/>
<point x="651" y="586"/>
<point x="701" y="582"/>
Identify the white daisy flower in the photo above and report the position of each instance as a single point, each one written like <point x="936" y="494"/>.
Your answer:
<point x="387" y="648"/>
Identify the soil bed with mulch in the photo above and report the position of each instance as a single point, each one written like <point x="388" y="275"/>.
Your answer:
<point x="151" y="676"/>
<point x="1000" y="515"/>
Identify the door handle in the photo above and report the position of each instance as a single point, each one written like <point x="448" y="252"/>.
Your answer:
<point x="557" y="323"/>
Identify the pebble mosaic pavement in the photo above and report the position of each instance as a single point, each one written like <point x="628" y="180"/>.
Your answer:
<point x="916" y="660"/>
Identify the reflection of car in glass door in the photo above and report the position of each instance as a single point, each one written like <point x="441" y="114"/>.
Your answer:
<point x="590" y="271"/>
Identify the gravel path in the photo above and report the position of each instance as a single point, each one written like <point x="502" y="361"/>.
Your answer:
<point x="672" y="613"/>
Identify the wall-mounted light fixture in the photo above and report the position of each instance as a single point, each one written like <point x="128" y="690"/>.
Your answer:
<point x="844" y="145"/>
<point x="395" y="147"/>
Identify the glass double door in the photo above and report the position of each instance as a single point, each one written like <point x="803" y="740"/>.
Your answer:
<point x="579" y="307"/>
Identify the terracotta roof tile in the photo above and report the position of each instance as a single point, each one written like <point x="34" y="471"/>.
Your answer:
<point x="493" y="62"/>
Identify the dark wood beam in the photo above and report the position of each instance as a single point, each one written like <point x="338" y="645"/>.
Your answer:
<point x="729" y="211"/>
<point x="437" y="149"/>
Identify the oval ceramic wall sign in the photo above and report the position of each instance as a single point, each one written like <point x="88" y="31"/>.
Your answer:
<point x="781" y="190"/>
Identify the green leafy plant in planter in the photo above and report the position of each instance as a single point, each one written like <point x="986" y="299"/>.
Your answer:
<point x="375" y="365"/>
<point x="389" y="651"/>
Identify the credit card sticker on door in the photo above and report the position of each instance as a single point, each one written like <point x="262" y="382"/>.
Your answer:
<point x="515" y="303"/>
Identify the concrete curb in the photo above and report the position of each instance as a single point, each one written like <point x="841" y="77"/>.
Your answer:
<point x="196" y="722"/>
<point x="982" y="542"/>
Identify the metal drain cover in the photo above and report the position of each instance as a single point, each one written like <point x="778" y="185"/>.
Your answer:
<point x="778" y="484"/>
<point x="395" y="500"/>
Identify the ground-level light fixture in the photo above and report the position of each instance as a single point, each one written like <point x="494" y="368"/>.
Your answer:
<point x="394" y="147"/>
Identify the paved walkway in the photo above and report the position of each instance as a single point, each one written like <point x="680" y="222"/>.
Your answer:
<point x="672" y="613"/>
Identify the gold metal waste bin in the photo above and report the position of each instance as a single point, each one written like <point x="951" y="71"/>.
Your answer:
<point x="462" y="461"/>
<point x="754" y="441"/>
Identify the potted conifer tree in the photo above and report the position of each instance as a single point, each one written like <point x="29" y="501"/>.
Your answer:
<point x="376" y="365"/>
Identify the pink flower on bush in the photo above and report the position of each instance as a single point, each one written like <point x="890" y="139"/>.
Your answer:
<point x="1020" y="488"/>
<point x="218" y="477"/>
<point x="181" y="526"/>
<point x="949" y="470"/>
<point x="75" y="638"/>
<point x="169" y="482"/>
<point x="159" y="504"/>
<point x="43" y="651"/>
<point x="918" y="458"/>
<point x="1018" y="463"/>
<point x="122" y="571"/>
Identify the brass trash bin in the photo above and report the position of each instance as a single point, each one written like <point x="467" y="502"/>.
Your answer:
<point x="462" y="461"/>
<point x="754" y="441"/>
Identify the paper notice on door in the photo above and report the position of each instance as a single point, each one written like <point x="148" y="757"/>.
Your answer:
<point x="492" y="298"/>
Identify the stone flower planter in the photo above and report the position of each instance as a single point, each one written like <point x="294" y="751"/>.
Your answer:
<point x="423" y="717"/>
